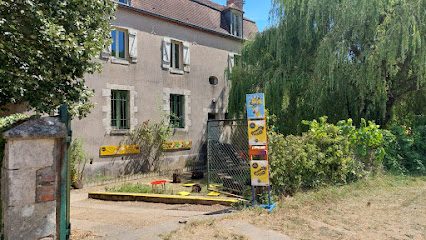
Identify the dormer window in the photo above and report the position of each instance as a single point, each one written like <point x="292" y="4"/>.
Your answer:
<point x="236" y="26"/>
<point x="124" y="2"/>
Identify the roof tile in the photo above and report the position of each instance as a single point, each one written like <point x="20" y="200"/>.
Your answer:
<point x="201" y="13"/>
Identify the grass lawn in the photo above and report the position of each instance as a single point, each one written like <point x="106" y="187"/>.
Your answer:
<point x="382" y="207"/>
<point x="144" y="186"/>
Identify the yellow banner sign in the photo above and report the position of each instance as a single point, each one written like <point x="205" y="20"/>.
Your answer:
<point x="257" y="132"/>
<point x="259" y="173"/>
<point x="177" y="145"/>
<point x="119" y="150"/>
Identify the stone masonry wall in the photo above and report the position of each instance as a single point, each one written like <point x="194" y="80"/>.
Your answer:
<point x="30" y="177"/>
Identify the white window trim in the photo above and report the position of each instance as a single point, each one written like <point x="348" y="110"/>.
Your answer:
<point x="106" y="109"/>
<point x="126" y="43"/>
<point x="187" y="108"/>
<point x="236" y="19"/>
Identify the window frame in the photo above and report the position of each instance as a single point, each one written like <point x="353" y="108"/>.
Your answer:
<point x="173" y="45"/>
<point x="236" y="23"/>
<point x="177" y="110"/>
<point x="117" y="43"/>
<point x="124" y="2"/>
<point x="116" y="109"/>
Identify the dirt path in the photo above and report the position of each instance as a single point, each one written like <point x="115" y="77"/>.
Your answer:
<point x="96" y="219"/>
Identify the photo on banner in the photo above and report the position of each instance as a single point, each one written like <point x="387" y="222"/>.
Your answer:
<point x="257" y="132"/>
<point x="255" y="106"/>
<point x="259" y="173"/>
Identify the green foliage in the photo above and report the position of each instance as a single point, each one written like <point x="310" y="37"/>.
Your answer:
<point x="5" y="124"/>
<point x="150" y="136"/>
<point x="133" y="188"/>
<point x="325" y="58"/>
<point x="9" y="121"/>
<point x="46" y="48"/>
<point x="325" y="154"/>
<point x="406" y="150"/>
<point x="78" y="159"/>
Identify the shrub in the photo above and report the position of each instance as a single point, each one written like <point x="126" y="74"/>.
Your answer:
<point x="310" y="161"/>
<point x="406" y="150"/>
<point x="367" y="141"/>
<point x="150" y="136"/>
<point x="78" y="159"/>
<point x="325" y="154"/>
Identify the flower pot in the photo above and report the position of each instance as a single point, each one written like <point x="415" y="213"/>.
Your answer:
<point x="79" y="184"/>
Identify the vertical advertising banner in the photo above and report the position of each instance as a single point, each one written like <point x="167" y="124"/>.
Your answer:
<point x="255" y="106"/>
<point x="257" y="132"/>
<point x="259" y="173"/>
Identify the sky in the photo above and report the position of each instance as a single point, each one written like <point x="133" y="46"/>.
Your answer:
<point x="256" y="10"/>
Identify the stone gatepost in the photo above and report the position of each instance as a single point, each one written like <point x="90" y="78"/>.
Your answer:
<point x="31" y="178"/>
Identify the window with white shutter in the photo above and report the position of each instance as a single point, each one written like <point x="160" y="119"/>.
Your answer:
<point x="133" y="45"/>
<point x="166" y="52"/>
<point x="176" y="55"/>
<point x="124" y="48"/>
<point x="186" y="57"/>
<point x="230" y="61"/>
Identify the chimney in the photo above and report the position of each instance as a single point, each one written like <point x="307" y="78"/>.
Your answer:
<point x="235" y="4"/>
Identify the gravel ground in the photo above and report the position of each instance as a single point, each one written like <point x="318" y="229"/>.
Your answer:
<point x="97" y="219"/>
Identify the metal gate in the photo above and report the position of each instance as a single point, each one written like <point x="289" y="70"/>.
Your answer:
<point x="65" y="178"/>
<point x="227" y="157"/>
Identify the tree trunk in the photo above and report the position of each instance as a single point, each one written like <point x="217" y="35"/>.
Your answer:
<point x="389" y="104"/>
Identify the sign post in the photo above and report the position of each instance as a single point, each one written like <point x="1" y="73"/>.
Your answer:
<point x="258" y="146"/>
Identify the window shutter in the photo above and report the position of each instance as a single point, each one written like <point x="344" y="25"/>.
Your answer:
<point x="230" y="62"/>
<point x="106" y="52"/>
<point x="186" y="57"/>
<point x="240" y="24"/>
<point x="133" y="45"/>
<point x="166" y="52"/>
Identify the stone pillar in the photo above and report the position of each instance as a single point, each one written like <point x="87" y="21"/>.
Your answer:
<point x="31" y="178"/>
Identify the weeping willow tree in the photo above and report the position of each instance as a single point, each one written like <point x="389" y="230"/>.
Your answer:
<point x="341" y="58"/>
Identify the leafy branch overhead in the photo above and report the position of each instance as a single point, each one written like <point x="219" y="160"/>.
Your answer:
<point x="46" y="48"/>
<point x="344" y="59"/>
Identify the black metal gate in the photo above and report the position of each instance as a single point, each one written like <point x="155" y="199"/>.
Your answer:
<point x="227" y="157"/>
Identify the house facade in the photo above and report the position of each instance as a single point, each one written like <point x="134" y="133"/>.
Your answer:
<point x="168" y="57"/>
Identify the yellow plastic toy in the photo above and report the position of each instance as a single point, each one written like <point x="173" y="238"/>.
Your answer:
<point x="213" y="194"/>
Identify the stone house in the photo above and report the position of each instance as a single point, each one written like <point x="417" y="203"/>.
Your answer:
<point x="168" y="56"/>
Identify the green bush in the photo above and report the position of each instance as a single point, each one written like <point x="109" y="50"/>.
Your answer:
<point x="150" y="136"/>
<point x="325" y="154"/>
<point x="406" y="149"/>
<point x="367" y="142"/>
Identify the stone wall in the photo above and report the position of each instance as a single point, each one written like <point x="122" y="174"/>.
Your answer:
<point x="30" y="179"/>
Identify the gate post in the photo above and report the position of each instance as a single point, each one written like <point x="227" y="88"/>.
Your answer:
<point x="30" y="179"/>
<point x="65" y="177"/>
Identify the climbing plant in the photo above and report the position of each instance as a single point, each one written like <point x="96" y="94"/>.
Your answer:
<point x="344" y="59"/>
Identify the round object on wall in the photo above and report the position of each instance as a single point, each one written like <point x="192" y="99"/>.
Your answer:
<point x="213" y="80"/>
